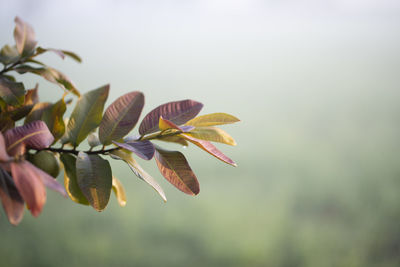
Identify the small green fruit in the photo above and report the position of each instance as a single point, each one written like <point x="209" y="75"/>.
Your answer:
<point x="46" y="161"/>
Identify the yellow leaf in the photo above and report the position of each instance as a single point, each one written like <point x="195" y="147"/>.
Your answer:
<point x="213" y="134"/>
<point x="212" y="119"/>
<point x="119" y="191"/>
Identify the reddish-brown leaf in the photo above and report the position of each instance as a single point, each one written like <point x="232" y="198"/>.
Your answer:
<point x="210" y="148"/>
<point x="29" y="185"/>
<point x="12" y="201"/>
<point x="177" y="112"/>
<point x="175" y="168"/>
<point x="120" y="117"/>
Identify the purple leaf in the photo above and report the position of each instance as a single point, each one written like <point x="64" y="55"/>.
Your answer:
<point x="144" y="149"/>
<point x="177" y="112"/>
<point x="12" y="201"/>
<point x="120" y="117"/>
<point x="34" y="135"/>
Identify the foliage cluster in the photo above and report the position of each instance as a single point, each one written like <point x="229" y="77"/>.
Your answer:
<point x="37" y="141"/>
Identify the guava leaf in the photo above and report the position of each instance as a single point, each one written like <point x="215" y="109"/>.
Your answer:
<point x="87" y="114"/>
<point x="175" y="168"/>
<point x="121" y="117"/>
<point x="94" y="179"/>
<point x="212" y="119"/>
<point x="11" y="200"/>
<point x="70" y="180"/>
<point x="177" y="112"/>
<point x="144" y="149"/>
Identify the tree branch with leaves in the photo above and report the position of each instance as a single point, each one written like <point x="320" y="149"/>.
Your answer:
<point x="37" y="141"/>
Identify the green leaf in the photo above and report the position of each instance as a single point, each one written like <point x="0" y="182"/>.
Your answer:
<point x="212" y="119"/>
<point x="119" y="191"/>
<point x="94" y="179"/>
<point x="24" y="37"/>
<point x="46" y="161"/>
<point x="52" y="75"/>
<point x="175" y="168"/>
<point x="13" y="93"/>
<point x="213" y="134"/>
<point x="138" y="171"/>
<point x="70" y="180"/>
<point x="174" y="139"/>
<point x="120" y="117"/>
<point x="87" y="114"/>
<point x="53" y="117"/>
<point x="9" y="55"/>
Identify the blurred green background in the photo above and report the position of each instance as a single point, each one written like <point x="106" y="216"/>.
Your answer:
<point x="316" y="85"/>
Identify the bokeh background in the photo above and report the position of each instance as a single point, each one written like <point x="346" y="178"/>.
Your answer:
<point x="316" y="85"/>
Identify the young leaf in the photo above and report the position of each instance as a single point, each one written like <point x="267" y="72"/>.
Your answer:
<point x="177" y="112"/>
<point x="87" y="114"/>
<point x="12" y="201"/>
<point x="52" y="75"/>
<point x="13" y="93"/>
<point x="70" y="180"/>
<point x="9" y="54"/>
<point x="29" y="185"/>
<point x="213" y="134"/>
<point x="24" y="37"/>
<point x="94" y="179"/>
<point x="175" y="168"/>
<point x="53" y="117"/>
<point x="93" y="140"/>
<point x="120" y="117"/>
<point x="212" y="119"/>
<point x="35" y="135"/>
<point x="210" y="148"/>
<point x="119" y="192"/>
<point x="138" y="171"/>
<point x="144" y="149"/>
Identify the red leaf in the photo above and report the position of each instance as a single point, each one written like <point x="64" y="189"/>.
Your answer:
<point x="210" y="148"/>
<point x="29" y="185"/>
<point x="12" y="201"/>
<point x="144" y="149"/>
<point x="177" y="112"/>
<point x="35" y="135"/>
<point x="175" y="168"/>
